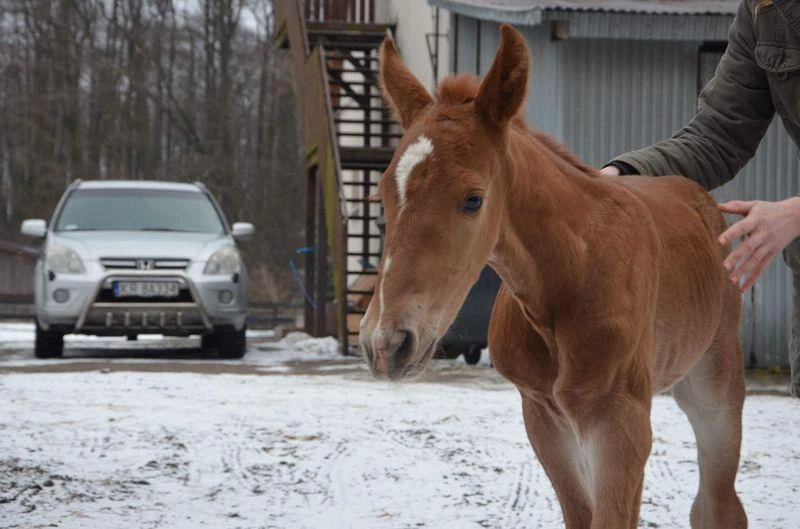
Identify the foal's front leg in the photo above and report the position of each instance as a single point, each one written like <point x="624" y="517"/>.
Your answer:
<point x="556" y="447"/>
<point x="615" y="435"/>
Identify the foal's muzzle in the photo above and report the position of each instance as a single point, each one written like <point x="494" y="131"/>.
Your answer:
<point x="388" y="352"/>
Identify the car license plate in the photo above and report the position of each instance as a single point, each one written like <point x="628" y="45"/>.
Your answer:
<point x="146" y="289"/>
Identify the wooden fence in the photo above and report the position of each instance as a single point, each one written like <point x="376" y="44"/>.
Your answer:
<point x="17" y="264"/>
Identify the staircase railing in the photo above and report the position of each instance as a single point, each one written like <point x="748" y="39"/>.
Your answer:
<point x="361" y="11"/>
<point x="322" y="151"/>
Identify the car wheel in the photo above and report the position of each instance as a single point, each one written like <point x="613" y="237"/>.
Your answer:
<point x="472" y="354"/>
<point x="208" y="341"/>
<point x="229" y="343"/>
<point x="447" y="352"/>
<point x="48" y="344"/>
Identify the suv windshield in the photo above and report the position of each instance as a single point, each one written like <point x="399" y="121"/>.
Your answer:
<point x="138" y="210"/>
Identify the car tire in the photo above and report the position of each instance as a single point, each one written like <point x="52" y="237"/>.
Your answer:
<point x="48" y="344"/>
<point x="472" y="354"/>
<point x="447" y="352"/>
<point x="229" y="343"/>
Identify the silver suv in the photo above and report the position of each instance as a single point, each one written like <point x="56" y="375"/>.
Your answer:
<point x="123" y="258"/>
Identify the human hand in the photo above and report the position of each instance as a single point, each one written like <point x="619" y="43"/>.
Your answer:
<point x="609" y="170"/>
<point x="769" y="228"/>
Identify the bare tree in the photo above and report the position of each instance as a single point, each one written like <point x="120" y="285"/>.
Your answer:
<point x="153" y="89"/>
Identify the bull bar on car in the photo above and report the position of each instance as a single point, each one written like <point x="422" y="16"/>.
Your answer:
<point x="99" y="317"/>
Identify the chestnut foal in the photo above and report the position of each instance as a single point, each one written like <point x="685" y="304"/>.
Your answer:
<point x="613" y="289"/>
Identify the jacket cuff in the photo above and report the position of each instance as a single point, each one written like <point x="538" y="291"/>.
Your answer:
<point x="623" y="167"/>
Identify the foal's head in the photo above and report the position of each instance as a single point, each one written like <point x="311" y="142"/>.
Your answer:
<point x="443" y="201"/>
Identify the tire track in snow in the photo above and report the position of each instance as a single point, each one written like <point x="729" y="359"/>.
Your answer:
<point x="516" y="505"/>
<point x="233" y="439"/>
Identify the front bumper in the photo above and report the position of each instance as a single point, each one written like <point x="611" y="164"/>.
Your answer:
<point x="92" y="308"/>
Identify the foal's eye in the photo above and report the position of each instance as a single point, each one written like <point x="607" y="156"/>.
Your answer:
<point x="472" y="205"/>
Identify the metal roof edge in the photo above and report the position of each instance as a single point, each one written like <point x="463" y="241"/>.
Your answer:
<point x="533" y="16"/>
<point x="529" y="16"/>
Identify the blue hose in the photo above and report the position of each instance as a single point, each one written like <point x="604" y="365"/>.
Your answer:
<point x="296" y="274"/>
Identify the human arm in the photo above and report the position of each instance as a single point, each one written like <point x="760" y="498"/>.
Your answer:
<point x="734" y="111"/>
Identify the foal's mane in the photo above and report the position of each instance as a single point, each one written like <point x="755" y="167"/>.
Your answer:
<point x="463" y="88"/>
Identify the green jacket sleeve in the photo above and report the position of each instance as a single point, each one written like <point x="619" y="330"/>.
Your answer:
<point x="734" y="110"/>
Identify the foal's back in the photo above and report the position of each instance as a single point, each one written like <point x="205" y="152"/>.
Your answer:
<point x="696" y="305"/>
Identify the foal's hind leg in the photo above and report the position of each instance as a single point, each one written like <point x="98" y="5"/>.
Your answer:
<point x="712" y="395"/>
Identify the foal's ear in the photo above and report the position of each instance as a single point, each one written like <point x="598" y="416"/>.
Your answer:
<point x="503" y="91"/>
<point x="405" y="94"/>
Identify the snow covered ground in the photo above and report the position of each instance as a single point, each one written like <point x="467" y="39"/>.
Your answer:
<point x="265" y="353"/>
<point x="273" y="449"/>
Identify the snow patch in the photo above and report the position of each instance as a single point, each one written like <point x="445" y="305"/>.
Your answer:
<point x="306" y="346"/>
<point x="183" y="451"/>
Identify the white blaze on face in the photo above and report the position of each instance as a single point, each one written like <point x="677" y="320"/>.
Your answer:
<point x="413" y="156"/>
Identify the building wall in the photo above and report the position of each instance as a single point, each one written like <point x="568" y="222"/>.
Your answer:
<point x="605" y="95"/>
<point x="415" y="28"/>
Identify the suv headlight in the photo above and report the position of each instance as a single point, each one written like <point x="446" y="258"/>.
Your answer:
<point x="224" y="261"/>
<point x="63" y="260"/>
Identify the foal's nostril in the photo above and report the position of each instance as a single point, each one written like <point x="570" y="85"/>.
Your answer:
<point x="405" y="348"/>
<point x="366" y="349"/>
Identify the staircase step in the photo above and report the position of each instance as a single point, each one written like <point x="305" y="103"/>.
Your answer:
<point x="364" y="166"/>
<point x="340" y="31"/>
<point x="334" y="45"/>
<point x="372" y="236"/>
<point x="342" y="82"/>
<point x="354" y="56"/>
<point x="369" y="108"/>
<point x="372" y="97"/>
<point x="372" y="62"/>
<point x="361" y="185"/>
<point x="353" y="183"/>
<point x="367" y="134"/>
<point x="362" y="217"/>
<point x="372" y="121"/>
<point x="350" y="108"/>
<point x="361" y="293"/>
<point x="373" y="155"/>
<point x="353" y="69"/>
<point x="369" y="272"/>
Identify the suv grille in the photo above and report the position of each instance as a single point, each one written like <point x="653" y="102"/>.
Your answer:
<point x="145" y="263"/>
<point x="106" y="295"/>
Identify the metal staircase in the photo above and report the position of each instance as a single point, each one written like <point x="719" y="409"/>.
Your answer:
<point x="364" y="133"/>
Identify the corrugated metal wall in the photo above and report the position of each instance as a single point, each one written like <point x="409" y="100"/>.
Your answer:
<point x="771" y="175"/>
<point x="623" y="94"/>
<point x="641" y="26"/>
<point x="604" y="96"/>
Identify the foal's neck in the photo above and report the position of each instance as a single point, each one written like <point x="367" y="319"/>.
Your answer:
<point x="551" y="204"/>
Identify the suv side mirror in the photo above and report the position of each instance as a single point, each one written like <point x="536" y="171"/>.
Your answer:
<point x="242" y="231"/>
<point x="34" y="228"/>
